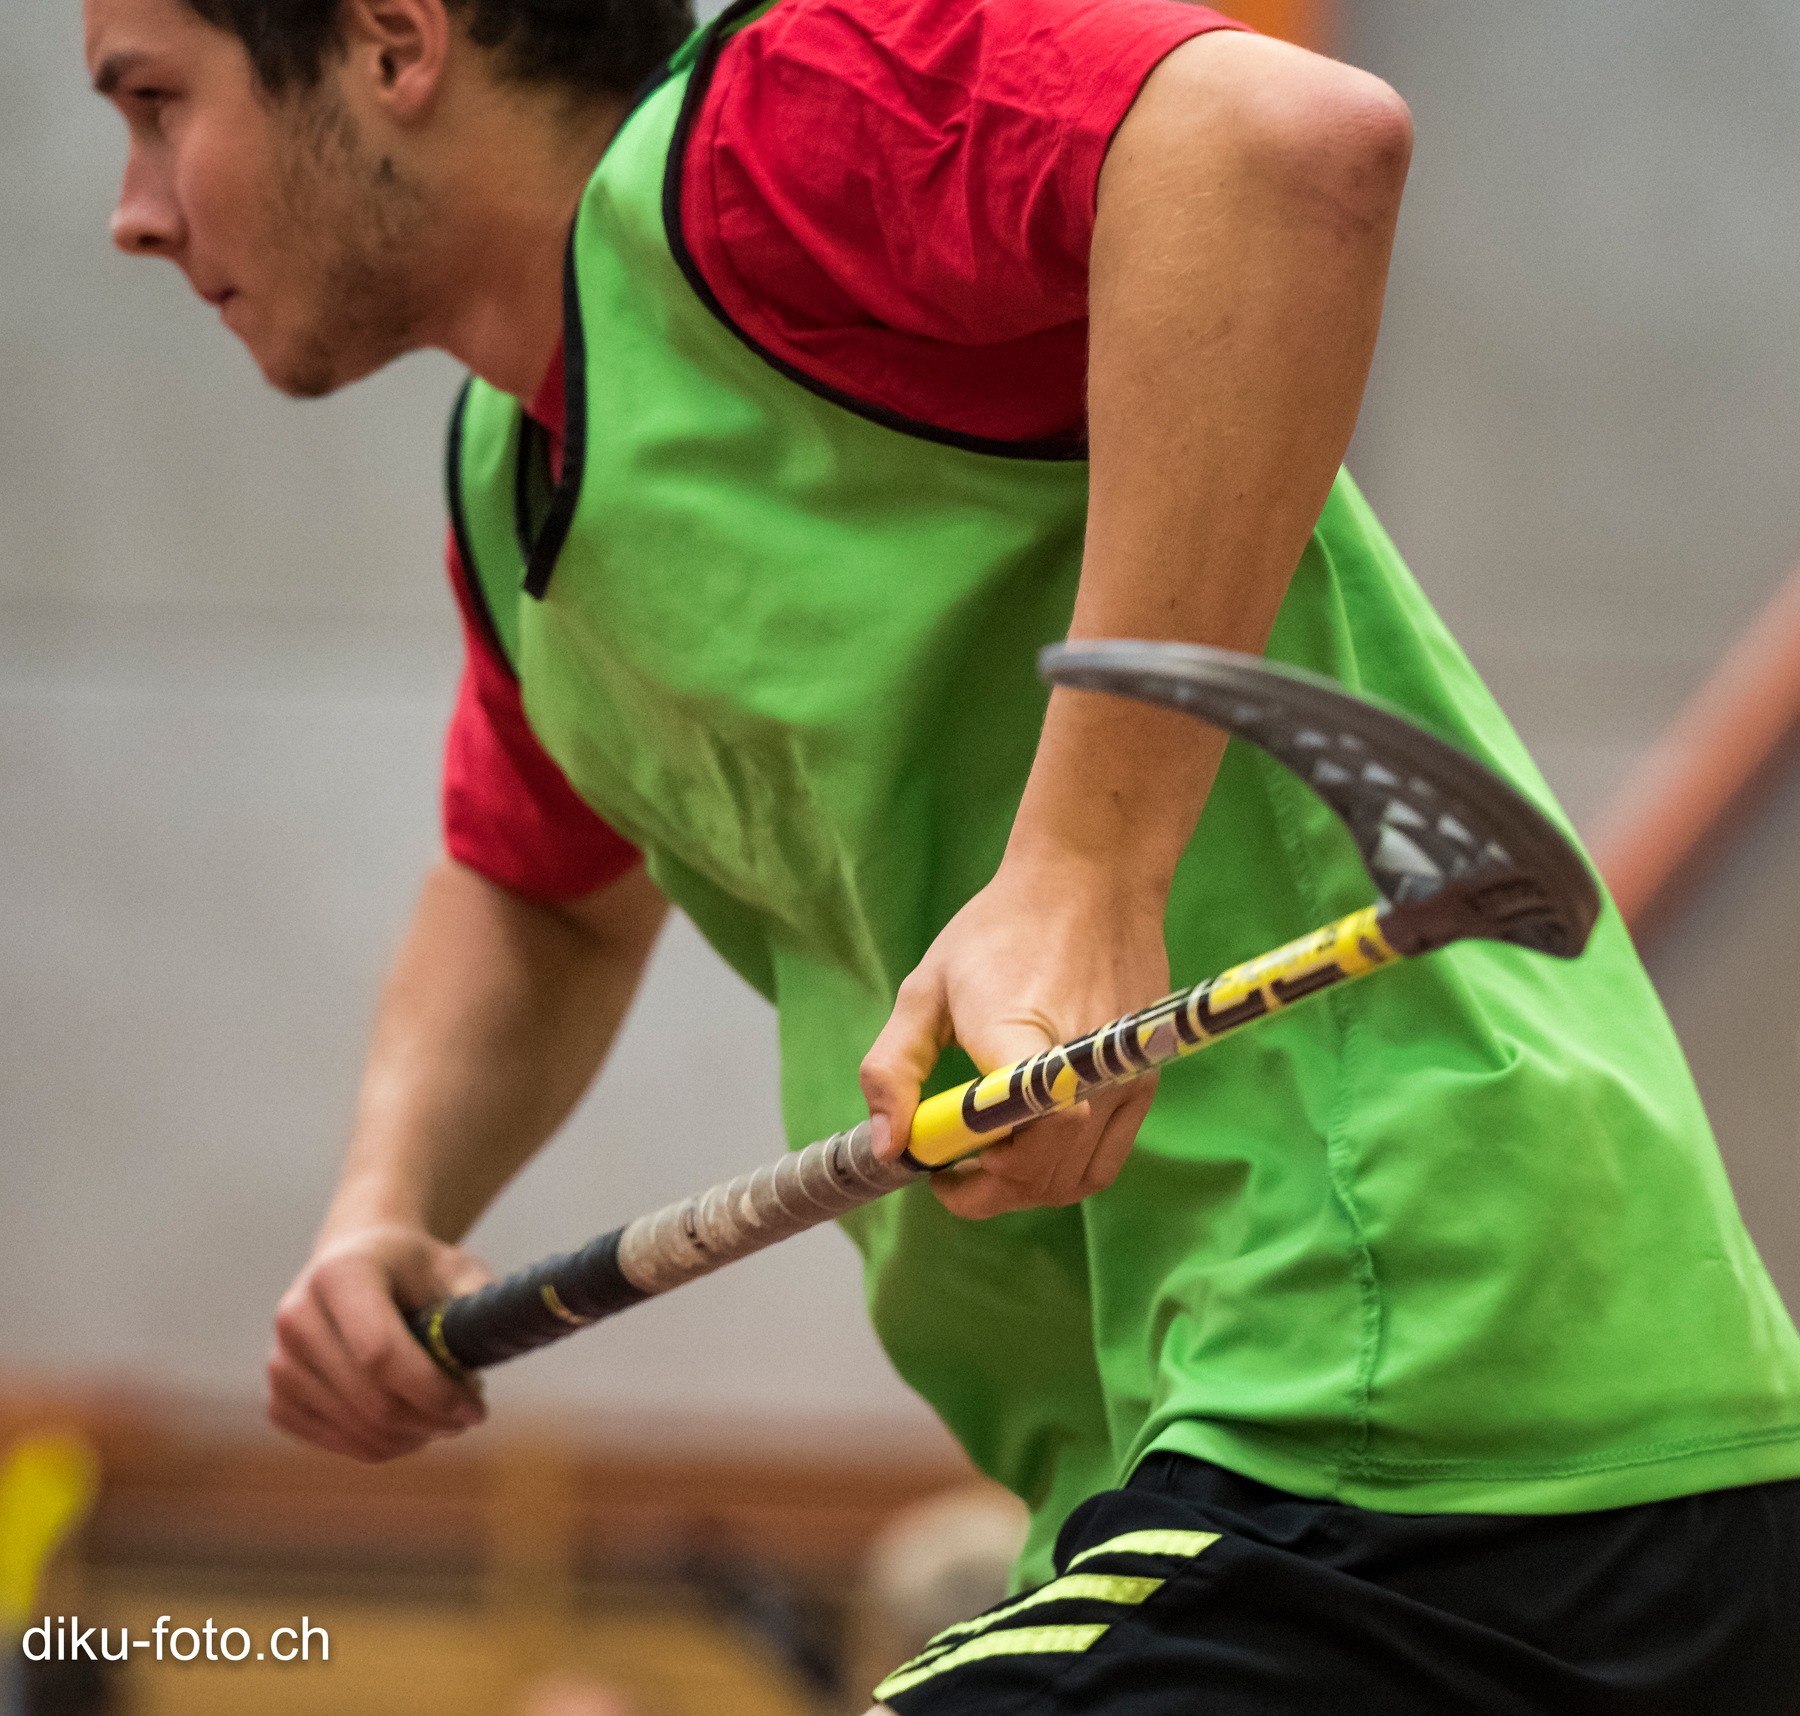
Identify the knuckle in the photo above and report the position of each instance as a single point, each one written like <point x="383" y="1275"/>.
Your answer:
<point x="367" y="1348"/>
<point x="917" y="985"/>
<point x="325" y="1275"/>
<point x="377" y="1356"/>
<point x="290" y="1324"/>
<point x="466" y="1277"/>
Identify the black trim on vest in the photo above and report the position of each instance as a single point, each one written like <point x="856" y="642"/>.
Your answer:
<point x="473" y="587"/>
<point x="1046" y="448"/>
<point x="534" y="456"/>
<point x="541" y="559"/>
<point x="541" y="548"/>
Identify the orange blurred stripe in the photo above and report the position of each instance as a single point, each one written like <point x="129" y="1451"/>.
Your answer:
<point x="1708" y="775"/>
<point x="1307" y="22"/>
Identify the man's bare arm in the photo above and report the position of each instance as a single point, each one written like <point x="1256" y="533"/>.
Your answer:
<point x="1246" y="211"/>
<point x="495" y="1019"/>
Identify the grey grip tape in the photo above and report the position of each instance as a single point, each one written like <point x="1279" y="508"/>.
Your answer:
<point x="700" y="1234"/>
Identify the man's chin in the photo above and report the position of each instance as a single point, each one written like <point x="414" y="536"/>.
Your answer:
<point x="303" y="385"/>
<point x="314" y="371"/>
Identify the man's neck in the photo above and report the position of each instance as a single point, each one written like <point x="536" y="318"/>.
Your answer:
<point x="511" y="190"/>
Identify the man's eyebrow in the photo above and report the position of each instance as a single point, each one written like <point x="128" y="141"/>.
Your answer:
<point x="113" y="68"/>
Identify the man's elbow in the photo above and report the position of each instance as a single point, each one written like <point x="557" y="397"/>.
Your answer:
<point x="1307" y="130"/>
<point x="1363" y="144"/>
<point x="1334" y="137"/>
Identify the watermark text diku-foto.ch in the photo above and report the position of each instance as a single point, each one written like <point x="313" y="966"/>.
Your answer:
<point x="62" y="1638"/>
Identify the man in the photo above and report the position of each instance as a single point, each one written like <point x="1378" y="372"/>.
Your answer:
<point x="870" y="347"/>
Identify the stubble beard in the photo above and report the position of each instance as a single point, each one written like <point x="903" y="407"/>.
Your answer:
<point x="351" y="221"/>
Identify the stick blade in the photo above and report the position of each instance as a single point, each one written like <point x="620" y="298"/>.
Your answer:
<point x="1452" y="848"/>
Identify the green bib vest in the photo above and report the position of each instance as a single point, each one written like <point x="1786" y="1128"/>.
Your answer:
<point x="1453" y="1239"/>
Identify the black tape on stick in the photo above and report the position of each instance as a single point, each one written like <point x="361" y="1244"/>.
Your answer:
<point x="530" y="1308"/>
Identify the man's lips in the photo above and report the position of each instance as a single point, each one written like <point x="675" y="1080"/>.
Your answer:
<point x="217" y="299"/>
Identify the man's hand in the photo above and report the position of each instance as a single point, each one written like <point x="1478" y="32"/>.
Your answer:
<point x="494" y="1021"/>
<point x="1042" y="954"/>
<point x="346" y="1372"/>
<point x="1244" y="218"/>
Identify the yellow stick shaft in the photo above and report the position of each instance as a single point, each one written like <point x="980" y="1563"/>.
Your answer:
<point x="955" y="1122"/>
<point x="694" y="1237"/>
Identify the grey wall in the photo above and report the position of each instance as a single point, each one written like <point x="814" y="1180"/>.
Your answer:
<point x="1585" y="411"/>
<point x="1582" y="430"/>
<point x="226" y="657"/>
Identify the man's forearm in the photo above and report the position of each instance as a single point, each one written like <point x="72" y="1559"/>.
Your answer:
<point x="497" y="1014"/>
<point x="1245" y="216"/>
<point x="496" y="1017"/>
<point x="1240" y="251"/>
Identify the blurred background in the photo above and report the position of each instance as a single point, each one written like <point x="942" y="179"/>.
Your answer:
<point x="226" y="660"/>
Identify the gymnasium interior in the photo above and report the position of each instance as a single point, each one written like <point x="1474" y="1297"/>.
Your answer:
<point x="226" y="660"/>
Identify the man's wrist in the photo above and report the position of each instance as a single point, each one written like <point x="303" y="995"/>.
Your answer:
<point x="1042" y="865"/>
<point x="366" y="1203"/>
<point x="1113" y="797"/>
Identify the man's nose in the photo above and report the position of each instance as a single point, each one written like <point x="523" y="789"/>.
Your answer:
<point x="147" y="221"/>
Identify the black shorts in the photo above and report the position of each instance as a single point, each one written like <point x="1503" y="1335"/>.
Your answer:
<point x="1195" y="1592"/>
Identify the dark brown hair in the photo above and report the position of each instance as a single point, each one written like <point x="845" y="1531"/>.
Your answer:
<point x="593" y="47"/>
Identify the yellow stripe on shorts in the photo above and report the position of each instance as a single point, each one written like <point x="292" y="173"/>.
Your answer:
<point x="1089" y="1587"/>
<point x="988" y="1635"/>
<point x="1185" y="1543"/>
<point x="1014" y="1641"/>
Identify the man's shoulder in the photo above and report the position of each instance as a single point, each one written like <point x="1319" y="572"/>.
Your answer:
<point x="896" y="197"/>
<point x="930" y="50"/>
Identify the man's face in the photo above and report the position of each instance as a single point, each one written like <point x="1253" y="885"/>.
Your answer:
<point x="270" y="206"/>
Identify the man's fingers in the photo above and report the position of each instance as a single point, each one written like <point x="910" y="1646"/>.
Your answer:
<point x="379" y="1363"/>
<point x="901" y="1059"/>
<point x="312" y="1364"/>
<point x="1058" y="1160"/>
<point x="1119" y="1133"/>
<point x="1047" y="1160"/>
<point x="363" y="1372"/>
<point x="356" y="1298"/>
<point x="326" y="1429"/>
<point x="306" y="1402"/>
<point x="342" y="1328"/>
<point x="303" y="1405"/>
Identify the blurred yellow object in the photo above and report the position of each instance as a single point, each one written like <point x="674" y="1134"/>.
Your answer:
<point x="47" y="1485"/>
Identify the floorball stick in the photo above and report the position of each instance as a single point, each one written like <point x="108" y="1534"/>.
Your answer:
<point x="1453" y="850"/>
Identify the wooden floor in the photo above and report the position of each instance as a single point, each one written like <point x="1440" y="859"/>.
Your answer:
<point x="686" y="1577"/>
<point x="667" y="1659"/>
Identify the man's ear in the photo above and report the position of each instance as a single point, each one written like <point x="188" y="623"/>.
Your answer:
<point x="399" y="48"/>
